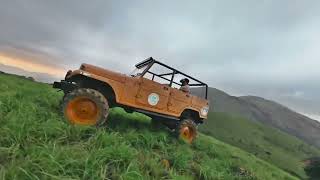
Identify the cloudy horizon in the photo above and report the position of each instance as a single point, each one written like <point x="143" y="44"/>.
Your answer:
<point x="262" y="48"/>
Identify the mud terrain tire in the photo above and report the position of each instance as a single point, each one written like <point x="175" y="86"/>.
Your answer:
<point x="186" y="130"/>
<point x="85" y="107"/>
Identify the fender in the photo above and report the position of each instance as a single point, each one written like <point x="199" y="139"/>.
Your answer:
<point x="117" y="86"/>
<point x="191" y="109"/>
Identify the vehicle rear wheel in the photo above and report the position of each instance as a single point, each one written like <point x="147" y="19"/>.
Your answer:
<point x="85" y="107"/>
<point x="187" y="130"/>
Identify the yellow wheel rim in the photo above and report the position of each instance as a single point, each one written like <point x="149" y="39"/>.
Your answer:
<point x="165" y="163"/>
<point x="83" y="111"/>
<point x="187" y="134"/>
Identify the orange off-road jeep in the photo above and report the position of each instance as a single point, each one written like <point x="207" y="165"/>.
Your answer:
<point x="152" y="89"/>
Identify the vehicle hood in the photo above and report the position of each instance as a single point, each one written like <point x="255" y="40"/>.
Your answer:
<point x="98" y="71"/>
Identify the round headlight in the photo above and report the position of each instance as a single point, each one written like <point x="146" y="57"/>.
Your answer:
<point x="205" y="111"/>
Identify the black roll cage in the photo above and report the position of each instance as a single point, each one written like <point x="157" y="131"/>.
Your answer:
<point x="150" y="62"/>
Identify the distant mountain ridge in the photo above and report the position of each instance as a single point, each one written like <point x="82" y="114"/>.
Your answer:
<point x="267" y="112"/>
<point x="41" y="77"/>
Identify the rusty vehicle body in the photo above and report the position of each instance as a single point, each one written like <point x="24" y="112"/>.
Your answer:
<point x="139" y="92"/>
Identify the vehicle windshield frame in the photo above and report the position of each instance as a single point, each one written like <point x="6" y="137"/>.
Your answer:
<point x="148" y="63"/>
<point x="134" y="73"/>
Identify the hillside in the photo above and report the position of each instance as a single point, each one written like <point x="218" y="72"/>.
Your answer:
<point x="269" y="113"/>
<point x="270" y="144"/>
<point x="35" y="143"/>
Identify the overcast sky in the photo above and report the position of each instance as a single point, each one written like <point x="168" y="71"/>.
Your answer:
<point x="268" y="48"/>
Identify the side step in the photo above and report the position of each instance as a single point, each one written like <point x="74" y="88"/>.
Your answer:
<point x="153" y="114"/>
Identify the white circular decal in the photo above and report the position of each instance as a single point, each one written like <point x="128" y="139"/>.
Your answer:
<point x="153" y="99"/>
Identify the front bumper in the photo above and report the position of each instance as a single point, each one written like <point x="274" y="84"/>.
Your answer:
<point x="65" y="86"/>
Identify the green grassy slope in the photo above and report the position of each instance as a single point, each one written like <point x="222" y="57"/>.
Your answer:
<point x="36" y="143"/>
<point x="265" y="142"/>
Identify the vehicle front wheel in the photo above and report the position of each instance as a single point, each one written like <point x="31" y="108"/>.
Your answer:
<point x="85" y="107"/>
<point x="186" y="130"/>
